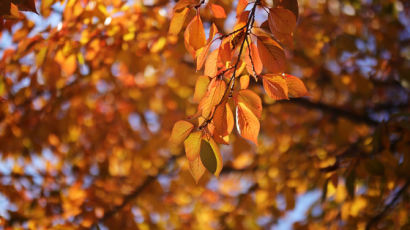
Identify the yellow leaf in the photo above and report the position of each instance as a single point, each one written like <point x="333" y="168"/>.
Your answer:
<point x="213" y="96"/>
<point x="180" y="131"/>
<point x="196" y="33"/>
<point x="177" y="21"/>
<point x="247" y="123"/>
<point x="244" y="81"/>
<point x="193" y="145"/>
<point x="275" y="86"/>
<point x="200" y="88"/>
<point x="211" y="157"/>
<point x="196" y="168"/>
<point x="211" y="64"/>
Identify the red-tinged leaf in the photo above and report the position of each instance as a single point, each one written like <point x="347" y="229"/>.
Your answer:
<point x="200" y="88"/>
<point x="211" y="64"/>
<point x="281" y="20"/>
<point x="180" y="132"/>
<point x="223" y="120"/>
<point x="244" y="81"/>
<point x="291" y="5"/>
<point x="247" y="123"/>
<point x="285" y="39"/>
<point x="251" y="100"/>
<point x="25" y="5"/>
<point x="196" y="168"/>
<point x="177" y="21"/>
<point x="218" y="11"/>
<point x="225" y="51"/>
<point x="241" y="7"/>
<point x="213" y="96"/>
<point x="296" y="86"/>
<point x="181" y="4"/>
<point x="241" y="20"/>
<point x="253" y="61"/>
<point x="275" y="86"/>
<point x="211" y="156"/>
<point x="193" y="145"/>
<point x="271" y="54"/>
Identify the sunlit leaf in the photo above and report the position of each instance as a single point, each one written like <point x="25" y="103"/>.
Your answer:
<point x="201" y="87"/>
<point x="213" y="96"/>
<point x="177" y="21"/>
<point x="247" y="123"/>
<point x="180" y="132"/>
<point x="218" y="11"/>
<point x="296" y="86"/>
<point x="281" y="20"/>
<point x="211" y="64"/>
<point x="193" y="145"/>
<point x="275" y="86"/>
<point x="196" y="168"/>
<point x="251" y="100"/>
<point x="253" y="61"/>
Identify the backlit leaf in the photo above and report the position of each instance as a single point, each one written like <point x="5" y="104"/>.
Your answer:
<point x="241" y="7"/>
<point x="177" y="21"/>
<point x="193" y="145"/>
<point x="196" y="168"/>
<point x="180" y="132"/>
<point x="251" y="100"/>
<point x="211" y="66"/>
<point x="296" y="86"/>
<point x="247" y="123"/>
<point x="200" y="88"/>
<point x="252" y="59"/>
<point x="244" y="81"/>
<point x="213" y="96"/>
<point x="271" y="54"/>
<point x="223" y="120"/>
<point x="281" y="20"/>
<point x="218" y="11"/>
<point x="275" y="86"/>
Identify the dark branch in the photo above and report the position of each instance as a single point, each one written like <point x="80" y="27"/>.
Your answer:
<point x="373" y="221"/>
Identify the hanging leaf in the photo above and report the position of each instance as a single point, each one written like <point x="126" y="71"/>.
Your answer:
<point x="213" y="96"/>
<point x="291" y="5"/>
<point x="177" y="21"/>
<point x="296" y="86"/>
<point x="193" y="145"/>
<point x="211" y="157"/>
<point x="241" y="7"/>
<point x="181" y="4"/>
<point x="218" y="11"/>
<point x="180" y="131"/>
<point x="281" y="20"/>
<point x="194" y="35"/>
<point x="211" y="64"/>
<point x="200" y="88"/>
<point x="251" y="100"/>
<point x="271" y="53"/>
<point x="244" y="81"/>
<point x="253" y="60"/>
<point x="247" y="123"/>
<point x="223" y="120"/>
<point x="275" y="86"/>
<point x="196" y="168"/>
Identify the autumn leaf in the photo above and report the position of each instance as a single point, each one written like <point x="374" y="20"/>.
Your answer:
<point x="291" y="5"/>
<point x="244" y="81"/>
<point x="193" y="145"/>
<point x="180" y="132"/>
<point x="211" y="64"/>
<point x="177" y="21"/>
<point x="251" y="100"/>
<point x="241" y="7"/>
<point x="68" y="63"/>
<point x="281" y="20"/>
<point x="275" y="86"/>
<point x="211" y="157"/>
<point x="201" y="87"/>
<point x="252" y="59"/>
<point x="223" y="120"/>
<point x="181" y="4"/>
<point x="247" y="123"/>
<point x="218" y="11"/>
<point x="296" y="86"/>
<point x="194" y="35"/>
<point x="213" y="96"/>
<point x="271" y="53"/>
<point x="196" y="168"/>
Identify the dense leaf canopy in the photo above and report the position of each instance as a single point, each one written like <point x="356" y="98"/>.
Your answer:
<point x="219" y="114"/>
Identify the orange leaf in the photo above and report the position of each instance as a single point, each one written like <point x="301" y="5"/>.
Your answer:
<point x="193" y="145"/>
<point x="213" y="96"/>
<point x="251" y="100"/>
<point x="275" y="86"/>
<point x="196" y="168"/>
<point x="200" y="88"/>
<point x="225" y="51"/>
<point x="296" y="86"/>
<point x="180" y="131"/>
<point x="271" y="54"/>
<point x="223" y="120"/>
<point x="218" y="11"/>
<point x="201" y="54"/>
<point x="212" y="32"/>
<point x="184" y="3"/>
<point x="68" y="64"/>
<point x="241" y="7"/>
<point x="247" y="123"/>
<point x="211" y="156"/>
<point x="291" y="5"/>
<point x="244" y="81"/>
<point x="281" y="20"/>
<point x="177" y="21"/>
<point x="211" y="64"/>
<point x="253" y="61"/>
<point x="195" y="35"/>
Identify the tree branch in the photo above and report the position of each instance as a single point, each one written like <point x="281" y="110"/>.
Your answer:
<point x="333" y="110"/>
<point x="373" y="221"/>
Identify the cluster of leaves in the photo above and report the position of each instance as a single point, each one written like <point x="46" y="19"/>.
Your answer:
<point x="90" y="91"/>
<point x="235" y="59"/>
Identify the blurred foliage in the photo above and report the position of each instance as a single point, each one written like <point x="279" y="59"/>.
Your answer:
<point x="87" y="107"/>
